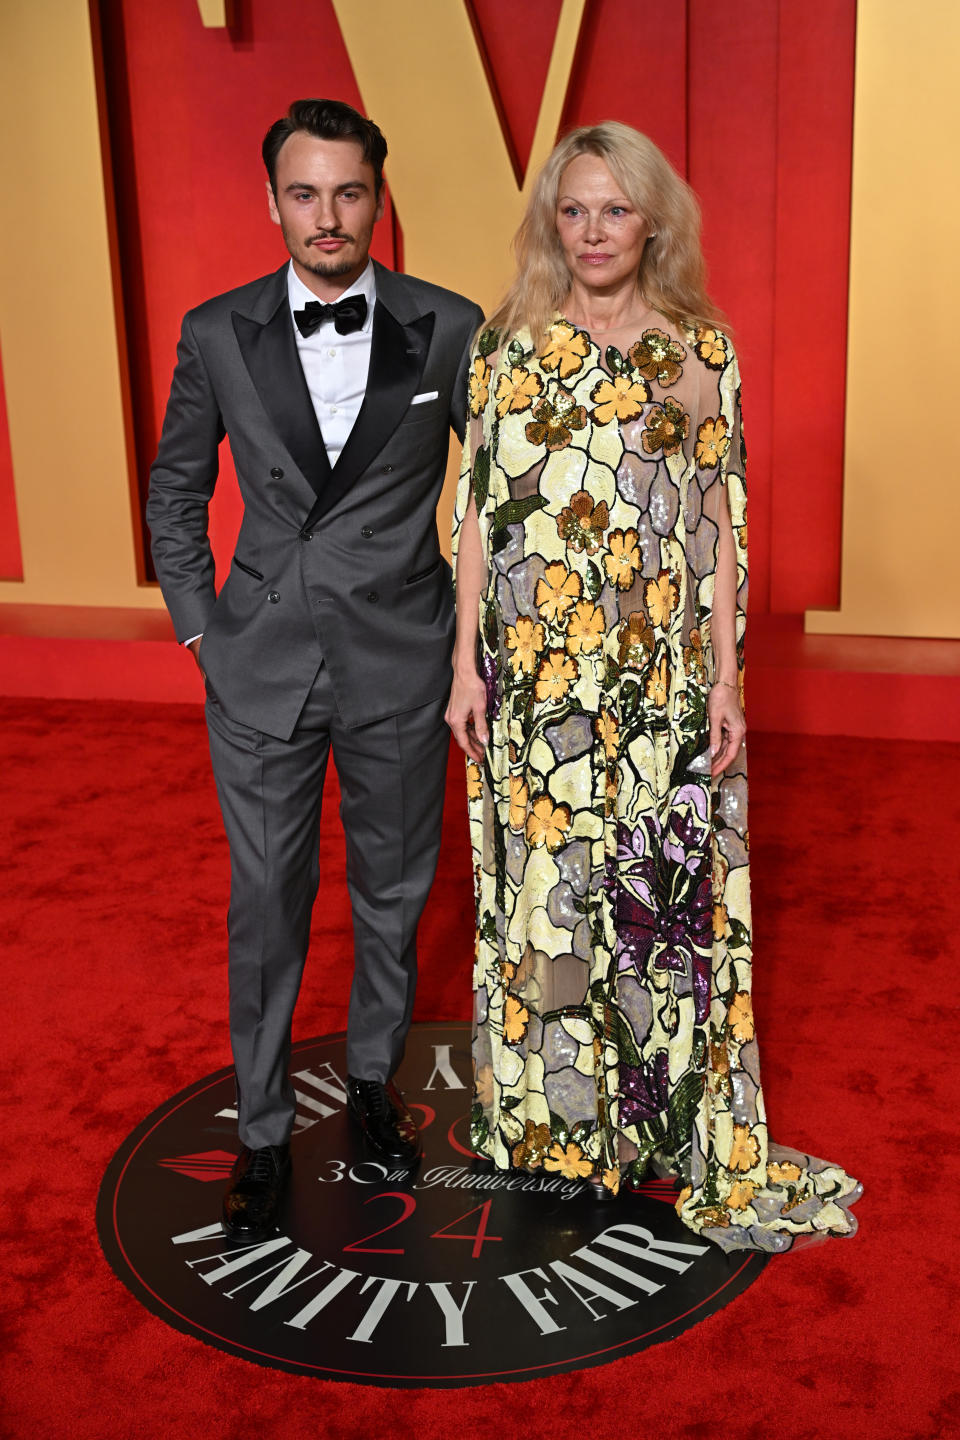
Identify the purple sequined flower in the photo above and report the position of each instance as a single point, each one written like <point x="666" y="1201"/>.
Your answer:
<point x="643" y="1090"/>
<point x="489" y="670"/>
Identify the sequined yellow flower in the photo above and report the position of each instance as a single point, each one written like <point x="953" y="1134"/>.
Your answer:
<point x="658" y="683"/>
<point x="516" y="1018"/>
<point x="547" y="824"/>
<point x="657" y="357"/>
<point x="565" y="351"/>
<point x="741" y="1194"/>
<point x="532" y="1148"/>
<point x="623" y="559"/>
<point x="526" y="640"/>
<point x="556" y="674"/>
<point x="785" y="1174"/>
<point x="557" y="591"/>
<point x="682" y="1199"/>
<point x="620" y="398"/>
<point x="519" y="795"/>
<point x="517" y="391"/>
<point x="745" y="1150"/>
<point x="636" y="641"/>
<point x="479" y="384"/>
<point x="474" y="781"/>
<point x="585" y="628"/>
<point x="719" y="1059"/>
<point x="606" y="727"/>
<point x="582" y="523"/>
<point x="569" y="1160"/>
<point x="712" y="348"/>
<point x="660" y="597"/>
<point x="666" y="428"/>
<point x="611" y="1181"/>
<point x="720" y="921"/>
<point x="740" y="1017"/>
<point x="713" y="442"/>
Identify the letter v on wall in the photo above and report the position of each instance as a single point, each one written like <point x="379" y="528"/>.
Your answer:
<point x="423" y="80"/>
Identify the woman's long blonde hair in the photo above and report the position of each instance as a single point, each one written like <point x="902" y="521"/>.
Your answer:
<point x="671" y="277"/>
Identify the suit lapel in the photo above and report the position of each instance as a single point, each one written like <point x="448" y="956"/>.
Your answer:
<point x="398" y="352"/>
<point x="269" y="352"/>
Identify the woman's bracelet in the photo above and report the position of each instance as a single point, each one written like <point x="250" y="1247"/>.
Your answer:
<point x="729" y="684"/>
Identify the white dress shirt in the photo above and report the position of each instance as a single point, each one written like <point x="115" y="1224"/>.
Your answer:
<point x="335" y="366"/>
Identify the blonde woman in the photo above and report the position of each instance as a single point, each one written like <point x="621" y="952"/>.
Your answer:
<point x="600" y="542"/>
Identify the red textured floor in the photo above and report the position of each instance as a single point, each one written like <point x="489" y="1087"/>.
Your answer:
<point x="113" y="930"/>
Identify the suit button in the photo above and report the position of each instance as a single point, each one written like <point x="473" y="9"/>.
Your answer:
<point x="306" y="534"/>
<point x="387" y="469"/>
<point x="366" y="532"/>
<point x="372" y="596"/>
<point x="276" y="473"/>
<point x="274" y="597"/>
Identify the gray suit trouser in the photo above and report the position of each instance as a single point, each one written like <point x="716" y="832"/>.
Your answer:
<point x="392" y="777"/>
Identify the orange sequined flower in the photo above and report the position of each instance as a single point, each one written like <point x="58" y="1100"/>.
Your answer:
<point x="713" y="442"/>
<point x="569" y="1160"/>
<point x="526" y="640"/>
<point x="479" y="385"/>
<point x="623" y="560"/>
<point x="667" y="426"/>
<point x="585" y="628"/>
<point x="566" y="350"/>
<point x="657" y="357"/>
<point x="745" y="1150"/>
<point x="583" y="522"/>
<point x="557" y="591"/>
<point x="517" y="391"/>
<point x="620" y="398"/>
<point x="547" y="824"/>
<point x="660" y="597"/>
<point x="555" y="676"/>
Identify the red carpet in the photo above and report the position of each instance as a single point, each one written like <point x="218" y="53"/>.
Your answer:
<point x="113" y="931"/>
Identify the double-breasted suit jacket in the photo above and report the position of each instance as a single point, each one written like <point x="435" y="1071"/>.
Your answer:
<point x="335" y="564"/>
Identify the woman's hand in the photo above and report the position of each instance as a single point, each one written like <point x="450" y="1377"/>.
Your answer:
<point x="727" y="726"/>
<point x="466" y="713"/>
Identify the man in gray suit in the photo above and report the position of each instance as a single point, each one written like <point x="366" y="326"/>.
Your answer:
<point x="337" y="383"/>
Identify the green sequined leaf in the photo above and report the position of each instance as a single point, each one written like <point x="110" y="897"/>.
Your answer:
<point x="514" y="512"/>
<point x="516" y="353"/>
<point x="615" y="361"/>
<point x="488" y="342"/>
<point x="594" y="581"/>
<point x="481" y="478"/>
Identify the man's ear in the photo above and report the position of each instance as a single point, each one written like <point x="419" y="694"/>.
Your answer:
<point x="272" y="204"/>
<point x="381" y="204"/>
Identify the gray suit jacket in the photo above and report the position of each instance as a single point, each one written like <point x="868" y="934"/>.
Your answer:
<point x="341" y="564"/>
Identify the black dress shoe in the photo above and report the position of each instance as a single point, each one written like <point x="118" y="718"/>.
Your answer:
<point x="384" y="1119"/>
<point x="252" y="1200"/>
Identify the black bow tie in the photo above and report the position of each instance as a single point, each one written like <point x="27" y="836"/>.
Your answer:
<point x="347" y="315"/>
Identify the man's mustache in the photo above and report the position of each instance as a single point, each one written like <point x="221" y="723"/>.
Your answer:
<point x="330" y="235"/>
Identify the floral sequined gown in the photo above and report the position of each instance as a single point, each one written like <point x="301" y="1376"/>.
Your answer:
<point x="613" y="1021"/>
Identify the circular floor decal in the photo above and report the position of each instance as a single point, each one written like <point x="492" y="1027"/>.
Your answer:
<point x="450" y="1273"/>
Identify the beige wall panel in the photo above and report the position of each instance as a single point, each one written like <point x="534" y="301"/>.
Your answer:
<point x="57" y="320"/>
<point x="901" y="514"/>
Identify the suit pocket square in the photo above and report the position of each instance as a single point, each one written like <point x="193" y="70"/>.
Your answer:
<point x="427" y="395"/>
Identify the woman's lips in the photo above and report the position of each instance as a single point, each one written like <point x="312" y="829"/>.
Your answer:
<point x="599" y="258"/>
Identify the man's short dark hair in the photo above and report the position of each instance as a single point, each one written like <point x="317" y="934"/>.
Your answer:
<point x="327" y="120"/>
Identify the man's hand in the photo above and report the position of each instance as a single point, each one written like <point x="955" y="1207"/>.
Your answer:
<point x="467" y="713"/>
<point x="727" y="727"/>
<point x="194" y="648"/>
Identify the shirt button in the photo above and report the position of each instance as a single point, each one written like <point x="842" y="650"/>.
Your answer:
<point x="274" y="597"/>
<point x="332" y="354"/>
<point x="372" y="596"/>
<point x="276" y="473"/>
<point x="366" y="532"/>
<point x="333" y="409"/>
